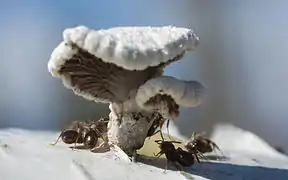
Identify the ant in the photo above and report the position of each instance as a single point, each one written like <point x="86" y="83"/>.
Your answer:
<point x="200" y="144"/>
<point x="73" y="134"/>
<point x="173" y="155"/>
<point x="158" y="123"/>
<point x="84" y="133"/>
<point x="98" y="129"/>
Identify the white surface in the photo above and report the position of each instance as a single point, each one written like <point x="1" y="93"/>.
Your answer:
<point x="236" y="139"/>
<point x="133" y="48"/>
<point x="27" y="155"/>
<point x="185" y="93"/>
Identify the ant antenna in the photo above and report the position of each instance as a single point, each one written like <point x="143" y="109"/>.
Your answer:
<point x="160" y="134"/>
<point x="121" y="113"/>
<point x="98" y="133"/>
<point x="58" y="139"/>
<point x="193" y="135"/>
<point x="202" y="155"/>
<point x="175" y="142"/>
<point x="167" y="127"/>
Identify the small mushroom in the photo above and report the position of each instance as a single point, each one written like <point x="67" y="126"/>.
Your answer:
<point x="165" y="94"/>
<point x="123" y="66"/>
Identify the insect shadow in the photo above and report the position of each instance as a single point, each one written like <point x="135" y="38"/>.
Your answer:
<point x="223" y="171"/>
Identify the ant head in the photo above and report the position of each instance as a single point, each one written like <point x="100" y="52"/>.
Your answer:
<point x="194" y="143"/>
<point x="91" y="139"/>
<point x="69" y="136"/>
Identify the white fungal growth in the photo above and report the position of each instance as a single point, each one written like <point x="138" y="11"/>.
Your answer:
<point x="61" y="53"/>
<point x="129" y="134"/>
<point x="76" y="35"/>
<point x="133" y="48"/>
<point x="184" y="93"/>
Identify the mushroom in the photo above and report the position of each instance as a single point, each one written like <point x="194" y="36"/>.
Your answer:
<point x="123" y="66"/>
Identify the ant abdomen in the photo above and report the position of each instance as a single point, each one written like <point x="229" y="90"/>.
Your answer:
<point x="186" y="158"/>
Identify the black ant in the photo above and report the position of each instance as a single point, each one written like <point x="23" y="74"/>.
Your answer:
<point x="97" y="130"/>
<point x="200" y="144"/>
<point x="173" y="155"/>
<point x="85" y="133"/>
<point x="73" y="134"/>
<point x="158" y="123"/>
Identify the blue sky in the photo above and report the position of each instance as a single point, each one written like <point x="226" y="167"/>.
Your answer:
<point x="94" y="13"/>
<point x="30" y="32"/>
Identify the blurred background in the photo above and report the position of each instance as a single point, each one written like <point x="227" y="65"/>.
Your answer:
<point x="242" y="59"/>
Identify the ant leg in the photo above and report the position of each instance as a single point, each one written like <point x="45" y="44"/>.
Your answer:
<point x="105" y="140"/>
<point x="158" y="132"/>
<point x="166" y="166"/>
<point x="58" y="139"/>
<point x="167" y="127"/>
<point x="178" y="166"/>
<point x="201" y="155"/>
<point x="75" y="144"/>
<point x="78" y="126"/>
<point x="98" y="147"/>
<point x="215" y="146"/>
<point x="161" y="135"/>
<point x="177" y="142"/>
<point x="155" y="133"/>
<point x="196" y="156"/>
<point x="100" y="135"/>
<point x="103" y="147"/>
<point x="158" y="154"/>
<point x="134" y="156"/>
<point x="121" y="113"/>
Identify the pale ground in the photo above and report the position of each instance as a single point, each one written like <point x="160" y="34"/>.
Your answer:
<point x="28" y="155"/>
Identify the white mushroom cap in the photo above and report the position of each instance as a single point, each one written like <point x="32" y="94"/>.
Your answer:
<point x="58" y="57"/>
<point x="89" y="62"/>
<point x="133" y="48"/>
<point x="184" y="93"/>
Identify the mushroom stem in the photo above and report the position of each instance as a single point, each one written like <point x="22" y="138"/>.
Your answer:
<point x="130" y="133"/>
